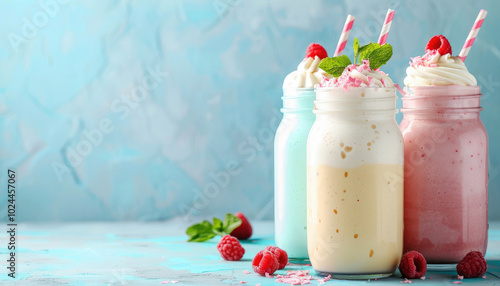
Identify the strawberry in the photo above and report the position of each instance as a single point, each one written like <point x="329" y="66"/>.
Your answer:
<point x="439" y="43"/>
<point x="244" y="231"/>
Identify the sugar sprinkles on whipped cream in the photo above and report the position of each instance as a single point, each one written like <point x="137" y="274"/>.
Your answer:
<point x="359" y="76"/>
<point x="436" y="69"/>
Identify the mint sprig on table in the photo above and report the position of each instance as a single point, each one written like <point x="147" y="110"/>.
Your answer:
<point x="205" y="230"/>
<point x="378" y="55"/>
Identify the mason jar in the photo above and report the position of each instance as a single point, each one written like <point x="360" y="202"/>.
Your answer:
<point x="355" y="184"/>
<point x="290" y="171"/>
<point x="446" y="172"/>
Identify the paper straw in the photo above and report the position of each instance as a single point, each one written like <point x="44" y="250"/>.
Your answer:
<point x="386" y="27"/>
<point x="472" y="35"/>
<point x="344" y="36"/>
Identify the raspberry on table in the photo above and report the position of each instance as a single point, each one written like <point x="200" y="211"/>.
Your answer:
<point x="413" y="265"/>
<point x="439" y="43"/>
<point x="472" y="265"/>
<point x="230" y="248"/>
<point x="265" y="262"/>
<point x="280" y="254"/>
<point x="314" y="50"/>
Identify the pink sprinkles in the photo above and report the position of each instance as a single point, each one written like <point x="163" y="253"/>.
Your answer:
<point x="406" y="281"/>
<point x="347" y="80"/>
<point x="299" y="277"/>
<point x="246" y="272"/>
<point x="457" y="282"/>
<point x="424" y="60"/>
<point x="324" y="279"/>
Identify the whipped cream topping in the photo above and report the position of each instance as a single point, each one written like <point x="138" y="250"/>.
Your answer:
<point x="307" y="74"/>
<point x="436" y="69"/>
<point x="359" y="76"/>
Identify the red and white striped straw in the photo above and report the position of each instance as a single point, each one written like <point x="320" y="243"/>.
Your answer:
<point x="472" y="35"/>
<point x="344" y="36"/>
<point x="387" y="26"/>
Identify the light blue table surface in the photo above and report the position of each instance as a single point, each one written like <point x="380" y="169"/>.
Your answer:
<point x="151" y="253"/>
<point x="184" y="89"/>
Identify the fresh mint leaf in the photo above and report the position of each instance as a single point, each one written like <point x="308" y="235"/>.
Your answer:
<point x="230" y="223"/>
<point x="204" y="230"/>
<point x="335" y="66"/>
<point x="355" y="46"/>
<point x="218" y="227"/>
<point x="200" y="232"/>
<point x="380" y="56"/>
<point x="202" y="237"/>
<point x="366" y="50"/>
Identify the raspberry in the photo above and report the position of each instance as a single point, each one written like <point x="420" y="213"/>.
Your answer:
<point x="230" y="248"/>
<point x="316" y="50"/>
<point x="413" y="265"/>
<point x="265" y="262"/>
<point x="244" y="231"/>
<point x="472" y="265"/>
<point x="280" y="254"/>
<point x="439" y="43"/>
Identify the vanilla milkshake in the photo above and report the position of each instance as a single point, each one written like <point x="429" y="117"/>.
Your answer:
<point x="355" y="177"/>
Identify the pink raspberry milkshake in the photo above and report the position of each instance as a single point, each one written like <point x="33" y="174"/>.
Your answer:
<point x="446" y="158"/>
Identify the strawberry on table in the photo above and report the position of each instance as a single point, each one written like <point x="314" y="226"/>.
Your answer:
<point x="244" y="231"/>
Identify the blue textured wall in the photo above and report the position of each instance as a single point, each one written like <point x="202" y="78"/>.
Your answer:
<point x="117" y="110"/>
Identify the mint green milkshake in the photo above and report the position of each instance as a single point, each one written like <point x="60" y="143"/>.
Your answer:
<point x="290" y="164"/>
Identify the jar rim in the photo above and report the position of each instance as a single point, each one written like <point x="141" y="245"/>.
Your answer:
<point x="351" y="88"/>
<point x="304" y="89"/>
<point x="296" y="110"/>
<point x="441" y="90"/>
<point x="443" y="109"/>
<point x="363" y="99"/>
<point x="439" y="97"/>
<point x="298" y="93"/>
<point x="357" y="112"/>
<point x="298" y="97"/>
